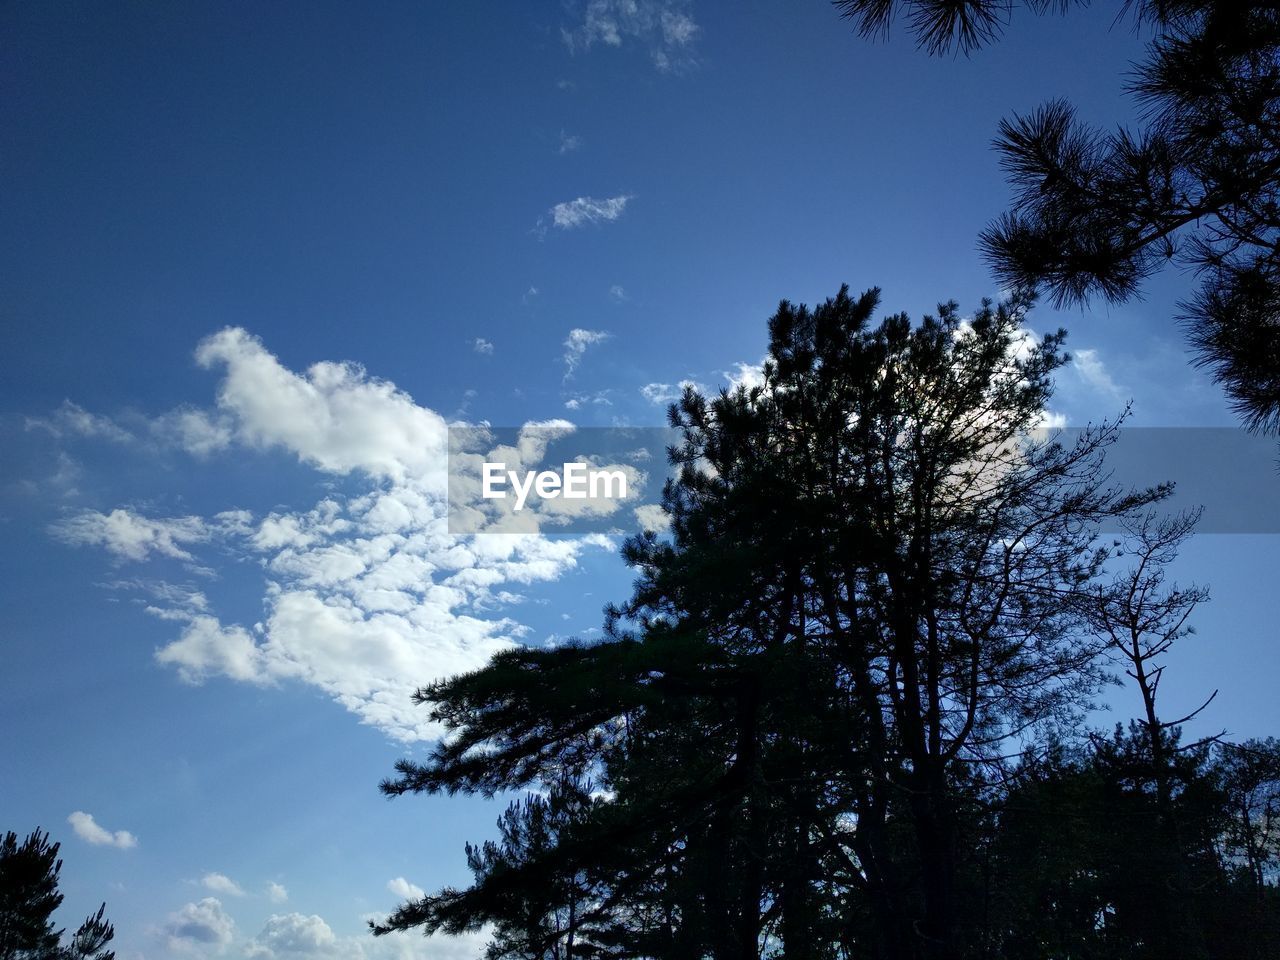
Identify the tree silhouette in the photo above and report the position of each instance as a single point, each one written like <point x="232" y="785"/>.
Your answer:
<point x="1096" y="213"/>
<point x="28" y="898"/>
<point x="876" y="591"/>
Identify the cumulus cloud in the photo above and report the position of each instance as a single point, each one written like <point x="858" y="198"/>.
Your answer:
<point x="298" y="936"/>
<point x="295" y="935"/>
<point x="369" y="616"/>
<point x="87" y="829"/>
<point x="405" y="890"/>
<point x="221" y="883"/>
<point x="276" y="893"/>
<point x="576" y="344"/>
<point x="201" y="924"/>
<point x="334" y="417"/>
<point x="207" y="648"/>
<point x="588" y="210"/>
<point x="129" y="536"/>
<point x="664" y="26"/>
<point x="470" y="512"/>
<point x="368" y="595"/>
<point x="482" y="346"/>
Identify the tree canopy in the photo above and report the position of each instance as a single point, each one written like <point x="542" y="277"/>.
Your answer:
<point x="28" y="898"/>
<point x="840" y="679"/>
<point x="1197" y="183"/>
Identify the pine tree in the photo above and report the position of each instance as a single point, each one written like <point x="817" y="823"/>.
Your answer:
<point x="1096" y="213"/>
<point x="873" y="588"/>
<point x="28" y="898"/>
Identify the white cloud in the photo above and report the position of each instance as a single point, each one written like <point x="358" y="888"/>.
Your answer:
<point x="367" y="601"/>
<point x="334" y="417"/>
<point x="129" y="536"/>
<point x="588" y="210"/>
<point x="66" y="476"/>
<point x="661" y="394"/>
<point x="368" y="595"/>
<point x="482" y="346"/>
<point x="576" y="344"/>
<point x="221" y="883"/>
<point x="87" y="829"/>
<point x="569" y="143"/>
<point x="71" y="419"/>
<point x="747" y="375"/>
<point x="1051" y="420"/>
<point x="405" y="890"/>
<point x="206" y="648"/>
<point x="662" y="25"/>
<point x="471" y="513"/>
<point x="1093" y="372"/>
<point x="202" y="924"/>
<point x="580" y="400"/>
<point x="618" y="293"/>
<point x="276" y="893"/>
<point x="296" y="935"/>
<point x="196" y="431"/>
<point x="651" y="516"/>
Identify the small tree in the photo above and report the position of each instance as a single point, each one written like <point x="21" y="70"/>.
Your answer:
<point x="1250" y="773"/>
<point x="1140" y="616"/>
<point x="28" y="898"/>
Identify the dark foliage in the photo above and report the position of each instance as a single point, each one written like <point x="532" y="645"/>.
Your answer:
<point x="29" y="896"/>
<point x="818" y="728"/>
<point x="1096" y="213"/>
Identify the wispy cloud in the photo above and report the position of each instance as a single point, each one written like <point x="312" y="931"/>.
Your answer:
<point x="71" y="419"/>
<point x="482" y="346"/>
<point x="221" y="883"/>
<point x="276" y="893"/>
<point x="745" y="375"/>
<point x="576" y="344"/>
<point x="129" y="536"/>
<point x="661" y="394"/>
<point x="198" y="432"/>
<point x="569" y="143"/>
<point x="1091" y="369"/>
<point x="581" y="400"/>
<point x="88" y="830"/>
<point x="664" y="26"/>
<point x="587" y="210"/>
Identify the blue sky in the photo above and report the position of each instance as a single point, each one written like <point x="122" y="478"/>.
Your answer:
<point x="254" y="259"/>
